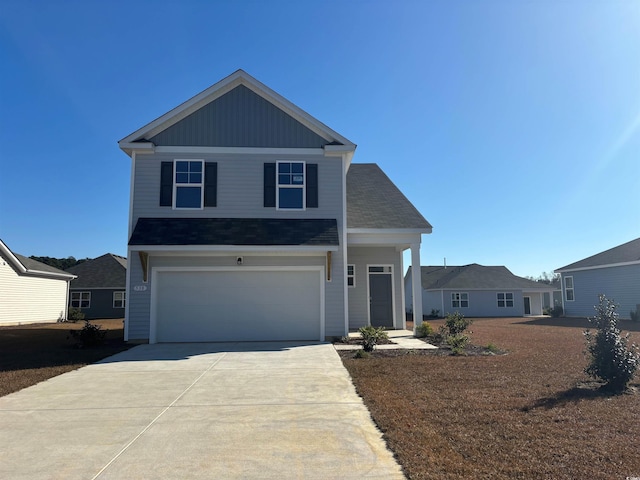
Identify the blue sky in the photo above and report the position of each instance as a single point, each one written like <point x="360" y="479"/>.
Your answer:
<point x="513" y="126"/>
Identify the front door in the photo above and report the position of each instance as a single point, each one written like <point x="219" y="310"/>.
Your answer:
<point x="380" y="297"/>
<point x="527" y="305"/>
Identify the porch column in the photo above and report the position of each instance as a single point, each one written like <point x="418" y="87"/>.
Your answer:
<point x="416" y="285"/>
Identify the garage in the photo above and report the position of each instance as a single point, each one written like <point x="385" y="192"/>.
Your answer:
<point x="223" y="305"/>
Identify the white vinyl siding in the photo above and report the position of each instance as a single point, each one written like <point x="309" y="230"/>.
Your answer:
<point x="29" y="299"/>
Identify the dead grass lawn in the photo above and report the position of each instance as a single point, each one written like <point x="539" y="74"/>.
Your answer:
<point x="32" y="353"/>
<point x="532" y="413"/>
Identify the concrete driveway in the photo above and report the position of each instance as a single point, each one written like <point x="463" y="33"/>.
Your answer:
<point x="180" y="411"/>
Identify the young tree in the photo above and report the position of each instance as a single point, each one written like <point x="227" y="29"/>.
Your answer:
<point x="611" y="360"/>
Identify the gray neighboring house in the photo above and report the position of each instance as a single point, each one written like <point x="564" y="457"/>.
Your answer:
<point x="100" y="289"/>
<point x="479" y="291"/>
<point x="249" y="221"/>
<point x="31" y="291"/>
<point x="614" y="273"/>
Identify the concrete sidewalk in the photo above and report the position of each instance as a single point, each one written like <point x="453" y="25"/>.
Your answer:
<point x="245" y="410"/>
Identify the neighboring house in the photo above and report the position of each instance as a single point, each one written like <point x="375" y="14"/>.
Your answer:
<point x="614" y="273"/>
<point x="248" y="221"/>
<point x="479" y="291"/>
<point x="31" y="291"/>
<point x="100" y="289"/>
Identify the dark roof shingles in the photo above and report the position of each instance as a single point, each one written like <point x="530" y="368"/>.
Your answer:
<point x="625" y="253"/>
<point x="107" y="271"/>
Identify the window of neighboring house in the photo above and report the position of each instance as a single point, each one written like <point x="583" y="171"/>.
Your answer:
<point x="505" y="300"/>
<point x="188" y="185"/>
<point x="118" y="299"/>
<point x="290" y="182"/>
<point x="81" y="299"/>
<point x="459" y="300"/>
<point x="351" y="275"/>
<point x="568" y="289"/>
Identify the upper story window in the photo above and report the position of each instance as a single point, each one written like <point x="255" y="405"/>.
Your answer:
<point x="459" y="300"/>
<point x="505" y="300"/>
<point x="188" y="184"/>
<point x="291" y="185"/>
<point x="568" y="289"/>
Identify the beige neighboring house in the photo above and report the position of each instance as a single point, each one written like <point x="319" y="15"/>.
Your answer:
<point x="31" y="291"/>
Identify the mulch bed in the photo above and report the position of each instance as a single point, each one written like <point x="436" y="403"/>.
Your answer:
<point x="530" y="414"/>
<point x="30" y="354"/>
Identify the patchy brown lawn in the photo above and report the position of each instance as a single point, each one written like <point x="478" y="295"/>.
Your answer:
<point x="532" y="413"/>
<point x="32" y="353"/>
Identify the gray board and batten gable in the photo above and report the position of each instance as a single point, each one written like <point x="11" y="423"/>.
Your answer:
<point x="374" y="202"/>
<point x="238" y="111"/>
<point x="236" y="231"/>
<point x="240" y="118"/>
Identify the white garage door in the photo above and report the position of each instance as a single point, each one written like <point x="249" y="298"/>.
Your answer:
<point x="244" y="305"/>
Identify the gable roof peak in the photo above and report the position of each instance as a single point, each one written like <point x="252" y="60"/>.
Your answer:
<point x="142" y="137"/>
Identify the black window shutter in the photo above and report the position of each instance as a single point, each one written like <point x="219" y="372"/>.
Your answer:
<point x="312" y="185"/>
<point x="166" y="184"/>
<point x="210" y="184"/>
<point x="269" y="184"/>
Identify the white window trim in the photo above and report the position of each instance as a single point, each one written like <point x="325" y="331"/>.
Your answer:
<point x="79" y="300"/>
<point x="459" y="299"/>
<point x="176" y="185"/>
<point x="123" y="299"/>
<point x="303" y="187"/>
<point x="505" y="300"/>
<point x="352" y="276"/>
<point x="566" y="289"/>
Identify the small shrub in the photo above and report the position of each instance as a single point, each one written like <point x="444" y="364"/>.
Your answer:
<point x="556" y="312"/>
<point x="434" y="313"/>
<point x="457" y="343"/>
<point x="456" y="323"/>
<point x="89" y="335"/>
<point x="492" y="347"/>
<point x="424" y="330"/>
<point x="610" y="361"/>
<point x="361" y="354"/>
<point x="75" y="314"/>
<point x="371" y="336"/>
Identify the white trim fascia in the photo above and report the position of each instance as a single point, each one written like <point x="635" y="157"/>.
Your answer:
<point x="387" y="231"/>
<point x="239" y="77"/>
<point x="131" y="190"/>
<point x="120" y="289"/>
<point x="384" y="238"/>
<point x="338" y="150"/>
<point x="497" y="289"/>
<point x="596" y="267"/>
<point x="221" y="249"/>
<point x="344" y="243"/>
<point x="17" y="264"/>
<point x="154" y="289"/>
<point x="240" y="151"/>
<point x="137" y="147"/>
<point x="127" y="290"/>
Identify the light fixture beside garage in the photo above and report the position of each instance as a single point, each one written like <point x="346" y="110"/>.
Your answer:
<point x="239" y="260"/>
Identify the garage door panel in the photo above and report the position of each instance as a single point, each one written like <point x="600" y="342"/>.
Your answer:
<point x="237" y="306"/>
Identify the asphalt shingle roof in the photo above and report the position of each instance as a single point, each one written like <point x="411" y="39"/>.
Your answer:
<point x="107" y="271"/>
<point x="625" y="253"/>
<point x="474" y="276"/>
<point x="235" y="231"/>
<point x="373" y="201"/>
<point x="31" y="264"/>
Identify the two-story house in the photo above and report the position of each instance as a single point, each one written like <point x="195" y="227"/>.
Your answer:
<point x="248" y="222"/>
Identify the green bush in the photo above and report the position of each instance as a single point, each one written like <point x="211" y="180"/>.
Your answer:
<point x="434" y="313"/>
<point x="75" y="314"/>
<point x="361" y="354"/>
<point x="371" y="336"/>
<point x="492" y="347"/>
<point x="424" y="330"/>
<point x="611" y="361"/>
<point x="89" y="335"/>
<point x="457" y="343"/>
<point x="456" y="323"/>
